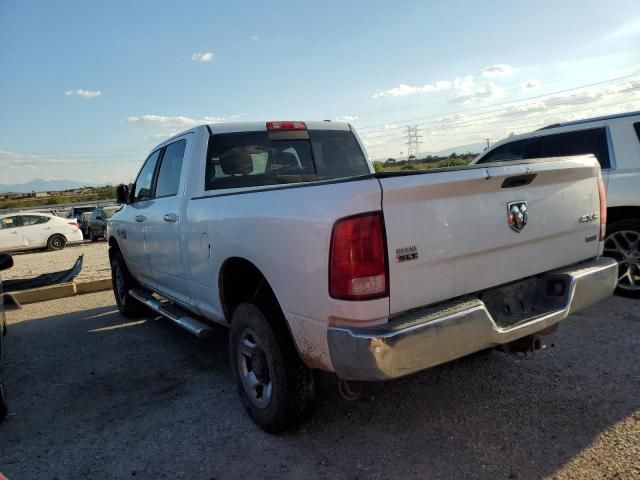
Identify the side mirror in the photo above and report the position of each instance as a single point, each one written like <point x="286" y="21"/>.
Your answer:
<point x="6" y="261"/>
<point x="122" y="194"/>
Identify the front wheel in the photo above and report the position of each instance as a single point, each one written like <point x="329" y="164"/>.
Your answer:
<point x="276" y="388"/>
<point x="623" y="244"/>
<point x="122" y="282"/>
<point x="56" y="242"/>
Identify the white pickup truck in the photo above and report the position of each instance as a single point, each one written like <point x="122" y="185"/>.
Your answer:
<point x="283" y="232"/>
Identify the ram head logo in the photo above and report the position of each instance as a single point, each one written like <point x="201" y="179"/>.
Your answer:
<point x="517" y="215"/>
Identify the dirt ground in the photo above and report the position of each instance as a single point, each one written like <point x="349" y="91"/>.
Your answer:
<point x="94" y="265"/>
<point x="95" y="396"/>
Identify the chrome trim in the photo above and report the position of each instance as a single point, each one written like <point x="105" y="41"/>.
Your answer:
<point x="455" y="329"/>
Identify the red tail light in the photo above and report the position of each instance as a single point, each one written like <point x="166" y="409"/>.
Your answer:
<point x="358" y="259"/>
<point x="74" y="224"/>
<point x="286" y="126"/>
<point x="603" y="208"/>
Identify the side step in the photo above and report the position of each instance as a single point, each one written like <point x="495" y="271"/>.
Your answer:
<point x="174" y="313"/>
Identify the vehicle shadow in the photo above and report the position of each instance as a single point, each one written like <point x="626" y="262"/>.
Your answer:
<point x="95" y="395"/>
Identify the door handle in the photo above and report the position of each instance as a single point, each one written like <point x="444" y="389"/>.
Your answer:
<point x="170" y="217"/>
<point x="13" y="233"/>
<point x="140" y="218"/>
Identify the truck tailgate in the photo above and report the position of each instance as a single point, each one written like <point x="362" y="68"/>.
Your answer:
<point x="448" y="232"/>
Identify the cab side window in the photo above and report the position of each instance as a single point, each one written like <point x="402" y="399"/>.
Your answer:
<point x="144" y="182"/>
<point x="170" y="169"/>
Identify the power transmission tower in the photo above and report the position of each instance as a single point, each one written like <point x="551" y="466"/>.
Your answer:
<point x="413" y="141"/>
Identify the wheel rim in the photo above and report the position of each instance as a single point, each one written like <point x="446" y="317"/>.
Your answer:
<point x="56" y="242"/>
<point x="254" y="367"/>
<point x="120" y="285"/>
<point x="624" y="247"/>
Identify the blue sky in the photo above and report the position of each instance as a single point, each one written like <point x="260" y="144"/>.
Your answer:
<point x="87" y="87"/>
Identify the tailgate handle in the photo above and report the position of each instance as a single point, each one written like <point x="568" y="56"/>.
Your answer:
<point x="519" y="180"/>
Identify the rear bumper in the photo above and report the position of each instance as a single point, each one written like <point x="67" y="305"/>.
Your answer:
<point x="430" y="336"/>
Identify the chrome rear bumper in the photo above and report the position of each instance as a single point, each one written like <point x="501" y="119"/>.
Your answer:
<point x="430" y="336"/>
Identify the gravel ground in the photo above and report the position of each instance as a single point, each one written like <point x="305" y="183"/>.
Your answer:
<point x="95" y="263"/>
<point x="93" y="395"/>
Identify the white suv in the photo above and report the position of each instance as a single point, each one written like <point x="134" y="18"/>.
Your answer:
<point x="615" y="141"/>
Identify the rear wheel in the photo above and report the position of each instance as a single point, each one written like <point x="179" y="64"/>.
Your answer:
<point x="56" y="242"/>
<point x="276" y="388"/>
<point x="122" y="282"/>
<point x="623" y="244"/>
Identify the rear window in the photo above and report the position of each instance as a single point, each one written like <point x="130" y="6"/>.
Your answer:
<point x="250" y="159"/>
<point x="593" y="140"/>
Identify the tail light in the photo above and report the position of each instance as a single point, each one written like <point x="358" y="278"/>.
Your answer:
<point x="603" y="208"/>
<point x="286" y="126"/>
<point x="74" y="224"/>
<point x="358" y="258"/>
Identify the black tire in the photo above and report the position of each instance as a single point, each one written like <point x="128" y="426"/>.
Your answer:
<point x="3" y="398"/>
<point x="92" y="238"/>
<point x="292" y="392"/>
<point x="122" y="282"/>
<point x="622" y="242"/>
<point x="56" y="242"/>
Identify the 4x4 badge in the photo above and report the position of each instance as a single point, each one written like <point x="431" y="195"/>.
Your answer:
<point x="517" y="215"/>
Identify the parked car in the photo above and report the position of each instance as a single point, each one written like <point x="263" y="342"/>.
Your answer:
<point x="615" y="141"/>
<point x="76" y="212"/>
<point x="26" y="231"/>
<point x="284" y="233"/>
<point x="6" y="261"/>
<point x="97" y="224"/>
<point x="84" y="223"/>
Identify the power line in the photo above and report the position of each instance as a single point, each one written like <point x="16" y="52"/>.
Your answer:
<point x="417" y="105"/>
<point x="511" y="102"/>
<point x="500" y="126"/>
<point x="474" y="120"/>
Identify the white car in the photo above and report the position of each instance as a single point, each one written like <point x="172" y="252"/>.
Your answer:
<point x="615" y="141"/>
<point x="27" y="230"/>
<point x="283" y="232"/>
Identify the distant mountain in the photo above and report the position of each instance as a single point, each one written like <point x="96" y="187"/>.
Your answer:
<point x="471" y="148"/>
<point x="40" y="185"/>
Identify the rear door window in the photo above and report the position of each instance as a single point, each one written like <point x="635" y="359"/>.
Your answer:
<point x="28" y="220"/>
<point x="593" y="140"/>
<point x="250" y="159"/>
<point x="516" y="150"/>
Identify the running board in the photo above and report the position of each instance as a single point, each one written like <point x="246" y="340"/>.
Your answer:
<point x="174" y="313"/>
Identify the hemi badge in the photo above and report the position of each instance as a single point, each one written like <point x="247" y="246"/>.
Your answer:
<point x="591" y="238"/>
